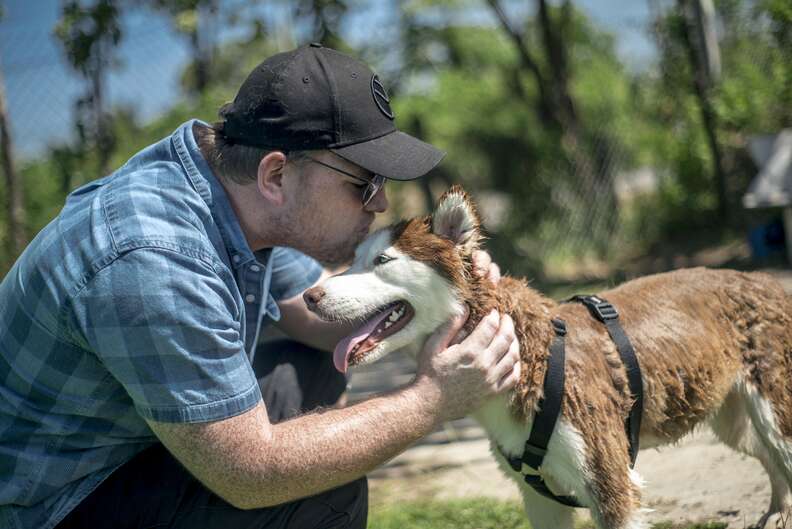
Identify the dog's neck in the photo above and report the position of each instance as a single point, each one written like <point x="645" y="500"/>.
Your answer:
<point x="531" y="313"/>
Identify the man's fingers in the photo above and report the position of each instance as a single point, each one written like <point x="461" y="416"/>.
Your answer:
<point x="459" y="337"/>
<point x="510" y="379"/>
<point x="485" y="331"/>
<point x="507" y="361"/>
<point x="481" y="262"/>
<point x="484" y="267"/>
<point x="461" y="333"/>
<point x="444" y="334"/>
<point x="498" y="348"/>
<point x="494" y="273"/>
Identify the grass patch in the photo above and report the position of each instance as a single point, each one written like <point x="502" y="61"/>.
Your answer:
<point x="454" y="514"/>
<point x="480" y="513"/>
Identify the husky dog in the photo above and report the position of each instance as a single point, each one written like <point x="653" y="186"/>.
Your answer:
<point x="714" y="346"/>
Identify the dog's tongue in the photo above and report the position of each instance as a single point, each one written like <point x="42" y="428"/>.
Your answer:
<point x="345" y="346"/>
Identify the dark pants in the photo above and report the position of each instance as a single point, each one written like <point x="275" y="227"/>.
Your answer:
<point x="154" y="491"/>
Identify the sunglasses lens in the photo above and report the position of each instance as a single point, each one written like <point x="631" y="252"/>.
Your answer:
<point x="369" y="193"/>
<point x="373" y="188"/>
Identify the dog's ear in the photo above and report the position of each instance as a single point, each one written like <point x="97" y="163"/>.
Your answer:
<point x="456" y="218"/>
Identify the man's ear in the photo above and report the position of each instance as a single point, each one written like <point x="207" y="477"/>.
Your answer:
<point x="270" y="177"/>
<point x="456" y="218"/>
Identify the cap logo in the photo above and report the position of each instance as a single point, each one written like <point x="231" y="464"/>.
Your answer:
<point x="381" y="96"/>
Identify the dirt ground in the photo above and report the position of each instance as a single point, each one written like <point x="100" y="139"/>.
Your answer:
<point x="698" y="479"/>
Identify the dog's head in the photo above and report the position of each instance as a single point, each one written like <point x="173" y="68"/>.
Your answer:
<point x="406" y="280"/>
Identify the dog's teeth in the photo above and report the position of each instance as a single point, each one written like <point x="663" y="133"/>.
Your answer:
<point x="393" y="317"/>
<point x="388" y="324"/>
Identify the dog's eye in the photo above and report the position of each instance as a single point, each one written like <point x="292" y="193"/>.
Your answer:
<point x="382" y="259"/>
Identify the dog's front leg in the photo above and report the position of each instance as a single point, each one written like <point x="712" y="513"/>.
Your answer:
<point x="612" y="487"/>
<point x="544" y="513"/>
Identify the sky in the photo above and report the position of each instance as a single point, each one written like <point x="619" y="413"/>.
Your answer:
<point x="41" y="88"/>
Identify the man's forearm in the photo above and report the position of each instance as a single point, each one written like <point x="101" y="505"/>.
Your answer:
<point x="348" y="443"/>
<point x="253" y="466"/>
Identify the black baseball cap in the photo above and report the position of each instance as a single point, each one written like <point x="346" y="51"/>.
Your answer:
<point x="317" y="98"/>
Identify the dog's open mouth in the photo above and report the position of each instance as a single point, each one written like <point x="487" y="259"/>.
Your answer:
<point x="385" y="322"/>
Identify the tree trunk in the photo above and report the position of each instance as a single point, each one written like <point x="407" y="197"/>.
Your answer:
<point x="16" y="239"/>
<point x="546" y="109"/>
<point x="708" y="40"/>
<point x="708" y="117"/>
<point x="103" y="139"/>
<point x="590" y="160"/>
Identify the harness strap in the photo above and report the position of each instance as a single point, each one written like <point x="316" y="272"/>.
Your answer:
<point x="550" y="404"/>
<point x="545" y="420"/>
<point x="607" y="314"/>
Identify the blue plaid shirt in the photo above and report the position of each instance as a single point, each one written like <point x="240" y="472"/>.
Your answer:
<point x="140" y="300"/>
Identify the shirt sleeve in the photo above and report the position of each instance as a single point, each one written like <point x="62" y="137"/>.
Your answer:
<point x="292" y="272"/>
<point x="167" y="327"/>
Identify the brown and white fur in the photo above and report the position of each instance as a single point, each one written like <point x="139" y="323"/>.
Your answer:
<point x="714" y="347"/>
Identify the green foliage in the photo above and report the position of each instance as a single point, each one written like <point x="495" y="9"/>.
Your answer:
<point x="476" y="513"/>
<point x="705" y="525"/>
<point x="460" y="85"/>
<point x="83" y="30"/>
<point x="482" y="108"/>
<point x="457" y="514"/>
<point x="753" y="96"/>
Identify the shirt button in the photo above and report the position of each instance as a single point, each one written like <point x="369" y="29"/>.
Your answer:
<point x="255" y="268"/>
<point x="236" y="258"/>
<point x="250" y="298"/>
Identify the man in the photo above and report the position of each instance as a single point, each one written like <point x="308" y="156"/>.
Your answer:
<point x="130" y="380"/>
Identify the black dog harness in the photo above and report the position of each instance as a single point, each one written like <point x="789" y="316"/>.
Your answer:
<point x="550" y="404"/>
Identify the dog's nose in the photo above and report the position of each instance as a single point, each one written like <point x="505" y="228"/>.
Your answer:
<point x="312" y="296"/>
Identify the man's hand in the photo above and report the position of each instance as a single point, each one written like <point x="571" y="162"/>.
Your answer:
<point x="484" y="267"/>
<point x="466" y="374"/>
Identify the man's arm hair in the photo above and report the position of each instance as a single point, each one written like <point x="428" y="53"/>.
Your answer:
<point x="252" y="463"/>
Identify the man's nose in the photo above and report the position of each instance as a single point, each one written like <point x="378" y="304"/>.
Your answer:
<point x="313" y="296"/>
<point x="379" y="202"/>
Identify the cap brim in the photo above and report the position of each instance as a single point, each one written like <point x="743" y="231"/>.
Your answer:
<point x="397" y="156"/>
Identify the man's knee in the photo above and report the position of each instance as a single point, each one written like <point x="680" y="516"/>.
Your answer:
<point x="359" y="510"/>
<point x="347" y="505"/>
<point x="295" y="378"/>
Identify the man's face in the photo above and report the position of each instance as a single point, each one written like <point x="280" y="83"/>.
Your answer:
<point x="329" y="219"/>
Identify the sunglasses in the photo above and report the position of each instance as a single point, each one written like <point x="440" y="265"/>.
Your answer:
<point x="372" y="186"/>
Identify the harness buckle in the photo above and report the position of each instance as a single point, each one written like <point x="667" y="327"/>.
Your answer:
<point x="602" y="310"/>
<point x="533" y="456"/>
<point x="559" y="326"/>
<point x="606" y="311"/>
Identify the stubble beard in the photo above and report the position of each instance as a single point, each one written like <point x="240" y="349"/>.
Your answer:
<point x="333" y="255"/>
<point x="297" y="233"/>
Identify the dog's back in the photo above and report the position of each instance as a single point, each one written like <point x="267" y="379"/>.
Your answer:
<point x="713" y="345"/>
<point x="697" y="333"/>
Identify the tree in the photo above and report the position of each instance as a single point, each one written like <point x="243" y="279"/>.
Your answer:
<point x="712" y="118"/>
<point x="196" y="19"/>
<point x="587" y="149"/>
<point x="325" y="18"/>
<point x="692" y="32"/>
<point x="88" y="36"/>
<point x="16" y="237"/>
<point x="464" y="88"/>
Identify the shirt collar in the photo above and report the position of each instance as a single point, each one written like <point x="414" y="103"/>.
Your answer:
<point x="211" y="190"/>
